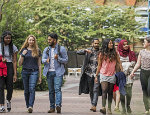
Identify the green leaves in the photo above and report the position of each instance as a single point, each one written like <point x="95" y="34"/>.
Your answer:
<point x="75" y="21"/>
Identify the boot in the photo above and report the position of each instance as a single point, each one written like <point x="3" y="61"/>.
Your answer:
<point x="103" y="110"/>
<point x="129" y="109"/>
<point x="52" y="110"/>
<point x="93" y="108"/>
<point x="109" y="111"/>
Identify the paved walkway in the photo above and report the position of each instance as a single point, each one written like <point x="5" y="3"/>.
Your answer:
<point x="73" y="104"/>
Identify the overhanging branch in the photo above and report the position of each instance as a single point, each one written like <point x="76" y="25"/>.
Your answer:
<point x="1" y="7"/>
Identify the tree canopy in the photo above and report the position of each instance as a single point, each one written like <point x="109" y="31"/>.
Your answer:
<point x="75" y="21"/>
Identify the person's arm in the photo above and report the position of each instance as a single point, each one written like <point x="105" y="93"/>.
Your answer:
<point x="45" y="57"/>
<point x="21" y="58"/>
<point x="39" y="64"/>
<point x="81" y="52"/>
<point x="120" y="64"/>
<point x="136" y="67"/>
<point x="15" y="66"/>
<point x="98" y="68"/>
<point x="64" y="56"/>
<point x="133" y="63"/>
<point x="99" y="65"/>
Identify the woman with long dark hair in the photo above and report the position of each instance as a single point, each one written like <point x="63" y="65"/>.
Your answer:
<point x="8" y="51"/>
<point x="144" y="62"/>
<point x="108" y="58"/>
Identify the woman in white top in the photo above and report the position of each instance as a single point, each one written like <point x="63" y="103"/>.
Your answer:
<point x="144" y="62"/>
<point x="8" y="51"/>
<point x="128" y="59"/>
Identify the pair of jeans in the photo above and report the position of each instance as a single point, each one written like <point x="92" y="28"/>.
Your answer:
<point x="29" y="81"/>
<point x="54" y="85"/>
<point x="93" y="89"/>
<point x="8" y="81"/>
<point x="95" y="93"/>
<point x="145" y="83"/>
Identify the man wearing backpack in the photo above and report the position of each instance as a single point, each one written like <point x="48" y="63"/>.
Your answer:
<point x="54" y="57"/>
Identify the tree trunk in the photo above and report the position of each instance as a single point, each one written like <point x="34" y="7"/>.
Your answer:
<point x="1" y="7"/>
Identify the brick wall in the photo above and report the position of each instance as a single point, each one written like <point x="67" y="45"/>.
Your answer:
<point x="121" y="2"/>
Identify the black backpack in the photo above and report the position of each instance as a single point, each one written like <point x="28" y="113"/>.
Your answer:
<point x="65" y="65"/>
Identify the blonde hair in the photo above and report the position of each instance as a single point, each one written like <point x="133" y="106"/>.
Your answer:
<point x="35" y="51"/>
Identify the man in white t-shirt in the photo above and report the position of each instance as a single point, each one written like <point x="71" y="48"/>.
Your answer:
<point x="54" y="57"/>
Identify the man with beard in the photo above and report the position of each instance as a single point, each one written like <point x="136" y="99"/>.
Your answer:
<point x="87" y="84"/>
<point x="54" y="57"/>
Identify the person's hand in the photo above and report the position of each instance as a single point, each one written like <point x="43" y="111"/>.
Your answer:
<point x="4" y="60"/>
<point x="121" y="69"/>
<point x="96" y="80"/>
<point x="131" y="75"/>
<point x="48" y="60"/>
<point x="24" y="52"/>
<point x="40" y="80"/>
<point x="88" y="51"/>
<point x="56" y="56"/>
<point x="14" y="78"/>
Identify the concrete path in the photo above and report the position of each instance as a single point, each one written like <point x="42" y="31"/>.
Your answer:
<point x="73" y="104"/>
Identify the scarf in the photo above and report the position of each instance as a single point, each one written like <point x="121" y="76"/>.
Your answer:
<point x="125" y="53"/>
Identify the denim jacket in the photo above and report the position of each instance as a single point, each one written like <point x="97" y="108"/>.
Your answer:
<point x="121" y="82"/>
<point x="58" y="63"/>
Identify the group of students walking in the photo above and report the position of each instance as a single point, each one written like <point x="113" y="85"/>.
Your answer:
<point x="110" y="73"/>
<point x="107" y="71"/>
<point x="30" y="60"/>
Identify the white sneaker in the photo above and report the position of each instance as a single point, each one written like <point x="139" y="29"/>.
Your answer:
<point x="8" y="106"/>
<point x="2" y="110"/>
<point x="146" y="112"/>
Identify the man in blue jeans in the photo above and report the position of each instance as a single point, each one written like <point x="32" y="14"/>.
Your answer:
<point x="54" y="57"/>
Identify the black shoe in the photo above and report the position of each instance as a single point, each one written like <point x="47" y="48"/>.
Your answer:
<point x="30" y="110"/>
<point x="58" y="109"/>
<point x="52" y="110"/>
<point x="8" y="106"/>
<point x="123" y="112"/>
<point x="129" y="110"/>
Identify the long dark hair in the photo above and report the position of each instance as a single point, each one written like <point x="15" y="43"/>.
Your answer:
<point x="4" y="34"/>
<point x="106" y="52"/>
